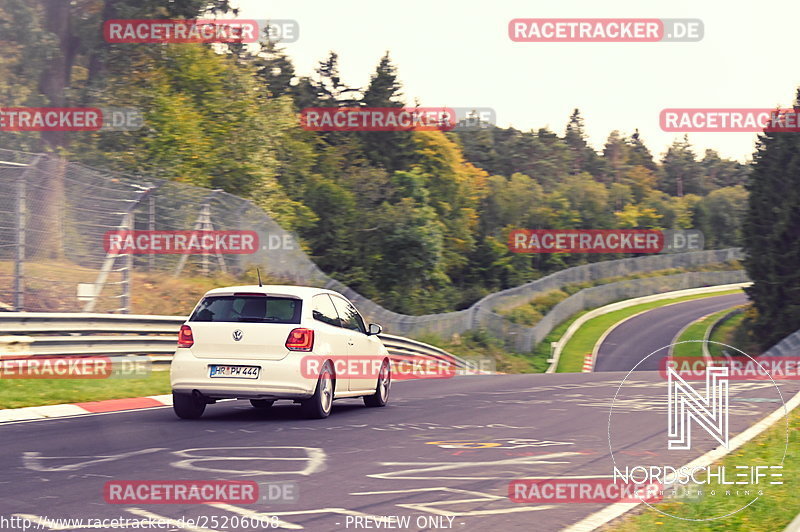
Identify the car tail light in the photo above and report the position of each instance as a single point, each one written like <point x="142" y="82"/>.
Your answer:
<point x="300" y="340"/>
<point x="185" y="338"/>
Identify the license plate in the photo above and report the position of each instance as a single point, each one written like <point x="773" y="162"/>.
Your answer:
<point x="236" y="372"/>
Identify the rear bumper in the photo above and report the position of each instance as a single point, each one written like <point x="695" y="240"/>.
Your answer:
<point x="278" y="379"/>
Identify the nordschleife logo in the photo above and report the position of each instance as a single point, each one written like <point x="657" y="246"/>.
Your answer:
<point x="685" y="405"/>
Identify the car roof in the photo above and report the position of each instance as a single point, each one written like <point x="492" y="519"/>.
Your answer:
<point x="273" y="290"/>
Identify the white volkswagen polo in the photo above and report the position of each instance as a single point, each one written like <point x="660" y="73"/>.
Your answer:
<point x="268" y="343"/>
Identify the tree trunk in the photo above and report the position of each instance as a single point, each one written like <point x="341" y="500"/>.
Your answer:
<point x="47" y="215"/>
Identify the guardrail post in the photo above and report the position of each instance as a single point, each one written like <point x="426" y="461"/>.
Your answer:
<point x="12" y="346"/>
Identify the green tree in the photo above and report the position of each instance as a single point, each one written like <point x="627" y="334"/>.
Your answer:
<point x="722" y="215"/>
<point x="275" y="69"/>
<point x="412" y="245"/>
<point x="392" y="150"/>
<point x="615" y="154"/>
<point x="589" y="199"/>
<point x="583" y="156"/>
<point x="682" y="173"/>
<point x="771" y="233"/>
<point x="509" y="202"/>
<point x="721" y="172"/>
<point x="639" y="154"/>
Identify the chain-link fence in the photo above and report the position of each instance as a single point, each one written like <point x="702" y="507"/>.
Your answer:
<point x="55" y="217"/>
<point x="524" y="339"/>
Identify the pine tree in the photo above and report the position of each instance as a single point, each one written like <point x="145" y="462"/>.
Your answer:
<point x="275" y="68"/>
<point x="583" y="156"/>
<point x="772" y="236"/>
<point x="638" y="154"/>
<point x="682" y="172"/>
<point x="615" y="153"/>
<point x="330" y="88"/>
<point x="392" y="150"/>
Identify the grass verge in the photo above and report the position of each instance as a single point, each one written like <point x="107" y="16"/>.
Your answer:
<point x="775" y="509"/>
<point x="696" y="331"/>
<point x="582" y="342"/>
<point x="50" y="287"/>
<point x="726" y="333"/>
<point x="16" y="393"/>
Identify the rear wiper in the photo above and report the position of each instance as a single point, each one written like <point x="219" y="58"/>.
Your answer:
<point x="253" y="319"/>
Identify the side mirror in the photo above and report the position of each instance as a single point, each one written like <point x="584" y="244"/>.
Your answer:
<point x="373" y="329"/>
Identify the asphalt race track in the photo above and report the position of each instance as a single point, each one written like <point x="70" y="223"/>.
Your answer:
<point x="641" y="335"/>
<point x="441" y="454"/>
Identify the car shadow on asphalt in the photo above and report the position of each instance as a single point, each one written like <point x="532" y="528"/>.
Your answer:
<point x="238" y="411"/>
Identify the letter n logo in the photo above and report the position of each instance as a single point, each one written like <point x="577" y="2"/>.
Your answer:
<point x="685" y="405"/>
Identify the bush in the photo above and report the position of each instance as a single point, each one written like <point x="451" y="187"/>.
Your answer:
<point x="526" y="315"/>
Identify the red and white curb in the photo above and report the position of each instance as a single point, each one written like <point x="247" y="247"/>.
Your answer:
<point x="77" y="409"/>
<point x="588" y="362"/>
<point x="30" y="413"/>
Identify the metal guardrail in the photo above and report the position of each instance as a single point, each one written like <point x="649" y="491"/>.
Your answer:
<point x="31" y="334"/>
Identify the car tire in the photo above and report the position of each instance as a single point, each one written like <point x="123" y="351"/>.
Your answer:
<point x="319" y="405"/>
<point x="381" y="395"/>
<point x="187" y="405"/>
<point x="262" y="403"/>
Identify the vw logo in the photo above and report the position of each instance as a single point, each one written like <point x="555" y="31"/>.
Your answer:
<point x="237" y="335"/>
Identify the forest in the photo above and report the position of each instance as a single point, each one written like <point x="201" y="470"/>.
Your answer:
<point x="416" y="220"/>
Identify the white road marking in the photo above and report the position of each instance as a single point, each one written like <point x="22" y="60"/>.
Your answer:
<point x="31" y="460"/>
<point x="294" y="526"/>
<point x="257" y="516"/>
<point x="183" y="525"/>
<point x="315" y="460"/>
<point x="430" y="507"/>
<point x="447" y="466"/>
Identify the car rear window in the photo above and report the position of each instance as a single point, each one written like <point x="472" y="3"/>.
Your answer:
<point x="253" y="309"/>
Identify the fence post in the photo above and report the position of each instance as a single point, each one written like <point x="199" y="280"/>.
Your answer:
<point x="205" y="215"/>
<point x="151" y="226"/>
<point x="127" y="270"/>
<point x="19" y="259"/>
<point x="203" y="223"/>
<point x="239" y="268"/>
<point x="112" y="256"/>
